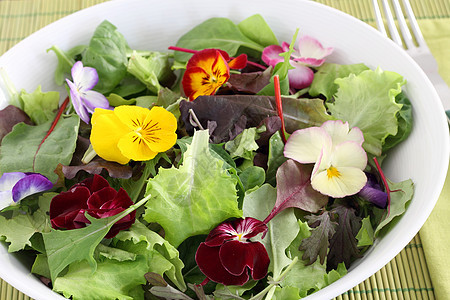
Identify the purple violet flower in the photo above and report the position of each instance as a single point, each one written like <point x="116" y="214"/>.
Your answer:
<point x="373" y="192"/>
<point x="84" y="99"/>
<point x="16" y="186"/>
<point x="309" y="53"/>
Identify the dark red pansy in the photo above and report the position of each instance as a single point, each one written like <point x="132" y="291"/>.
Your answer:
<point x="98" y="199"/>
<point x="228" y="255"/>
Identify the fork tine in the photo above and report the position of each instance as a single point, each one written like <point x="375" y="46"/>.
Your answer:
<point x="413" y="22"/>
<point x="378" y="17"/>
<point x="403" y="26"/>
<point x="391" y="24"/>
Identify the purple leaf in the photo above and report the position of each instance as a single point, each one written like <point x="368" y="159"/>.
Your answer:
<point x="96" y="166"/>
<point x="227" y="110"/>
<point x="294" y="189"/>
<point x="317" y="243"/>
<point x="9" y="117"/>
<point x="343" y="244"/>
<point x="250" y="83"/>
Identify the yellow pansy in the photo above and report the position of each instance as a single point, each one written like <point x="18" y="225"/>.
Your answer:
<point x="132" y="132"/>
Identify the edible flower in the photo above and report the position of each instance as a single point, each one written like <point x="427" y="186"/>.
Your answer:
<point x="132" y="132"/>
<point x="309" y="53"/>
<point x="84" y="99"/>
<point x="208" y="70"/>
<point x="16" y="186"/>
<point x="373" y="192"/>
<point x="97" y="198"/>
<point x="338" y="156"/>
<point x="228" y="254"/>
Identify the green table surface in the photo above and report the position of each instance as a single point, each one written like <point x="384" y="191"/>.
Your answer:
<point x="422" y="269"/>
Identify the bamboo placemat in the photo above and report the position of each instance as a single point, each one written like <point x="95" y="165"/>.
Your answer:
<point x="405" y="277"/>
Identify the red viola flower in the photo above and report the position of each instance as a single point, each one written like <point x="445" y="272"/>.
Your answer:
<point x="227" y="254"/>
<point x="97" y="198"/>
<point x="208" y="70"/>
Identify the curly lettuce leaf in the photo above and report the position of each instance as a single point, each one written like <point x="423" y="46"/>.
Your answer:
<point x="323" y="82"/>
<point x="40" y="106"/>
<point x="405" y="123"/>
<point x="163" y="258"/>
<point x="367" y="101"/>
<point x="112" y="280"/>
<point x="194" y="198"/>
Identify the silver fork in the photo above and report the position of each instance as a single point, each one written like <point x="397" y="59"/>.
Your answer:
<point x="421" y="53"/>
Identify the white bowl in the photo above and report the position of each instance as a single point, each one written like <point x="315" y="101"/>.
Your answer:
<point x="156" y="24"/>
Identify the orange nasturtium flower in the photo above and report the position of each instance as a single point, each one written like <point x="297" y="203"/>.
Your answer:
<point x="207" y="71"/>
<point x="132" y="132"/>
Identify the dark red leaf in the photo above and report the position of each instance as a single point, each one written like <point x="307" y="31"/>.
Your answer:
<point x="249" y="83"/>
<point x="96" y="166"/>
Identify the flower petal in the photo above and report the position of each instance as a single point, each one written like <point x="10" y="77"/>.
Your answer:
<point x="94" y="183"/>
<point x="305" y="145"/>
<point x="93" y="100"/>
<point x="310" y="47"/>
<point x="65" y="206"/>
<point x="223" y="232"/>
<point x="349" y="182"/>
<point x="98" y="198"/>
<point x="107" y="130"/>
<point x="249" y="227"/>
<point x="300" y="77"/>
<point x="349" y="154"/>
<point x="235" y="256"/>
<point x="160" y="129"/>
<point x="377" y="197"/>
<point x="339" y="132"/>
<point x="6" y="199"/>
<point x="77" y="102"/>
<point x="8" y="180"/>
<point x="29" y="185"/>
<point x="309" y="61"/>
<point x="209" y="263"/>
<point x="271" y="55"/>
<point x="132" y="116"/>
<point x="239" y="62"/>
<point x="86" y="78"/>
<point x="133" y="146"/>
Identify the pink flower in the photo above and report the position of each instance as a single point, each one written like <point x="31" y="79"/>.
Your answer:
<point x="228" y="254"/>
<point x="310" y="53"/>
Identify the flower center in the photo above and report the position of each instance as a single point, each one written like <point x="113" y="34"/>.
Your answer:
<point x="332" y="172"/>
<point x="239" y="236"/>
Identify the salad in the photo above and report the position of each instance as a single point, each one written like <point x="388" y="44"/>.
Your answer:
<point x="231" y="166"/>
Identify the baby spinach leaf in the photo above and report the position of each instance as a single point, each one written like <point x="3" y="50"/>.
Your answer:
<point x="19" y="147"/>
<point x="257" y="29"/>
<point x="220" y="33"/>
<point x="112" y="280"/>
<point x="40" y="106"/>
<point x="252" y="177"/>
<point x="276" y="157"/>
<point x="365" y="235"/>
<point x="194" y="198"/>
<point x="107" y="53"/>
<point x="367" y="101"/>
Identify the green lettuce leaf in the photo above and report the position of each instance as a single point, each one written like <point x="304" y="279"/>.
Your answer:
<point x="323" y="83"/>
<point x="69" y="246"/>
<point x="194" y="198"/>
<point x="18" y="230"/>
<point x="283" y="228"/>
<point x="244" y="145"/>
<point x="163" y="258"/>
<point x="150" y="70"/>
<point x="107" y="53"/>
<point x="18" y="148"/>
<point x="111" y="280"/>
<point x="40" y="107"/>
<point x="405" y="123"/>
<point x="401" y="195"/>
<point x="365" y="235"/>
<point x="367" y="101"/>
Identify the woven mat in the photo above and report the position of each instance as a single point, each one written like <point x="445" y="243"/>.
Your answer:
<point x="405" y="277"/>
